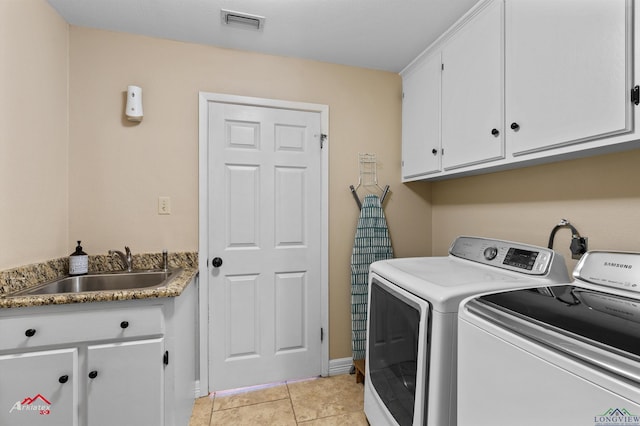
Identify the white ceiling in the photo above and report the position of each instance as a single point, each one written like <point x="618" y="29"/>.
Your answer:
<point x="378" y="34"/>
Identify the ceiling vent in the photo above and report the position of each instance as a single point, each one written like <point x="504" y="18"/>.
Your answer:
<point x="242" y="20"/>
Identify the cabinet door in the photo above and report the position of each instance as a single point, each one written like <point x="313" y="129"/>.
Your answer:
<point x="472" y="91"/>
<point x="125" y="383"/>
<point x="39" y="388"/>
<point x="421" y="119"/>
<point x="568" y="71"/>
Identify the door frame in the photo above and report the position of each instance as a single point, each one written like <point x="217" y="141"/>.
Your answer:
<point x="202" y="387"/>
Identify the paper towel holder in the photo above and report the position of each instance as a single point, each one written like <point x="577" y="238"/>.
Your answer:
<point x="133" y="109"/>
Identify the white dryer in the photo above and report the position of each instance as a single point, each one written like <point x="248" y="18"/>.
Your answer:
<point x="412" y="322"/>
<point x="558" y="355"/>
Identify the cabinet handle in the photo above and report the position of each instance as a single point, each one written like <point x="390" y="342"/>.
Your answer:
<point x="495" y="132"/>
<point x="93" y="374"/>
<point x="63" y="379"/>
<point x="30" y="332"/>
<point x="434" y="151"/>
<point x="124" y="324"/>
<point x="515" y="126"/>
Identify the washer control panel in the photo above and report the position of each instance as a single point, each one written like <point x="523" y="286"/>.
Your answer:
<point x="509" y="255"/>
<point x="490" y="253"/>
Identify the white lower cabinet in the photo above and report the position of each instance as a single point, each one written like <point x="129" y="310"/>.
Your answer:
<point x="39" y="388"/>
<point x="125" y="383"/>
<point x="100" y="364"/>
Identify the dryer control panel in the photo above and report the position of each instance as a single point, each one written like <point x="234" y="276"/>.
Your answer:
<point x="518" y="257"/>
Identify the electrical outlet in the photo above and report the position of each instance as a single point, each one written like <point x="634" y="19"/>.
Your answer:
<point x="578" y="247"/>
<point x="164" y="205"/>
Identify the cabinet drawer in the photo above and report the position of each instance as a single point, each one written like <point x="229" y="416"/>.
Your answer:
<point x="82" y="326"/>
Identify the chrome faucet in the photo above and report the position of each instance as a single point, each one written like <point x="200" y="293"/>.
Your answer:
<point x="126" y="259"/>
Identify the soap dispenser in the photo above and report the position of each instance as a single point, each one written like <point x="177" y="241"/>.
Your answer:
<point x="78" y="262"/>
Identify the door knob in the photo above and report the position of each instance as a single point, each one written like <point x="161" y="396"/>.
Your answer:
<point x="93" y="374"/>
<point x="495" y="132"/>
<point x="515" y="126"/>
<point x="434" y="151"/>
<point x="63" y="379"/>
<point x="216" y="262"/>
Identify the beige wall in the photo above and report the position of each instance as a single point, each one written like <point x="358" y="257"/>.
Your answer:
<point x="100" y="183"/>
<point x="600" y="196"/>
<point x="118" y="170"/>
<point x="33" y="133"/>
<point x="98" y="177"/>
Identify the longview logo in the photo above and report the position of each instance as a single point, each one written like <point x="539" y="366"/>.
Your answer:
<point x="616" y="416"/>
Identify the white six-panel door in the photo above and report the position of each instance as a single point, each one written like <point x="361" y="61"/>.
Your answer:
<point x="264" y="182"/>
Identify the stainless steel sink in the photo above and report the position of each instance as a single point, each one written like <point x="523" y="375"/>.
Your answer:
<point x="108" y="281"/>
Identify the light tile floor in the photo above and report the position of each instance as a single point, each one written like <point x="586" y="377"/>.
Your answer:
<point x="325" y="401"/>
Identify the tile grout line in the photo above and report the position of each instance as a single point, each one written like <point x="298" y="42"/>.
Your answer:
<point x="250" y="405"/>
<point x="288" y="394"/>
<point x="213" y="401"/>
<point x="293" y="409"/>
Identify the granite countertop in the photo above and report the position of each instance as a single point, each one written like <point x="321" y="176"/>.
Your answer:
<point x="18" y="279"/>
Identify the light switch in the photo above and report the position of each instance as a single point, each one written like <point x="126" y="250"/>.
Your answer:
<point x="164" y="205"/>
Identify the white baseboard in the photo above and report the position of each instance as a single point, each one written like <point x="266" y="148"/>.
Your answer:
<point x="197" y="391"/>
<point x="340" y="366"/>
<point x="336" y="367"/>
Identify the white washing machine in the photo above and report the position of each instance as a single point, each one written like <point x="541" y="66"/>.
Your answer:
<point x="558" y="355"/>
<point x="410" y="373"/>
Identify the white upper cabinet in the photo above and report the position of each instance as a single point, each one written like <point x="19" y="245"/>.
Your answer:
<point x="568" y="71"/>
<point x="472" y="91"/>
<point x="421" y="119"/>
<point x="522" y="82"/>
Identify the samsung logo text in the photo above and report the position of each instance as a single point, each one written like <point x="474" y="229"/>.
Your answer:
<point x="618" y="265"/>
